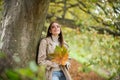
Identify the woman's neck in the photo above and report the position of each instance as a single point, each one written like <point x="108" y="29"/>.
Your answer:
<point x="55" y="38"/>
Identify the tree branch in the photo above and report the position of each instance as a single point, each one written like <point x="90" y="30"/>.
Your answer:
<point x="104" y="30"/>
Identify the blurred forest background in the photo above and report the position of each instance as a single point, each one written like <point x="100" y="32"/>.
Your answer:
<point x="92" y="30"/>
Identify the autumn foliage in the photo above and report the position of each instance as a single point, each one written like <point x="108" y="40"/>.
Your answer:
<point x="60" y="55"/>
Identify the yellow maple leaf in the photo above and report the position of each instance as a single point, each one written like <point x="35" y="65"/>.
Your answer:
<point x="60" y="55"/>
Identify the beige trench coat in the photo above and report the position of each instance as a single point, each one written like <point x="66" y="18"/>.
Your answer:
<point x="46" y="46"/>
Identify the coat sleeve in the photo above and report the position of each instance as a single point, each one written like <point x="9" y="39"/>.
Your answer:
<point x="42" y="54"/>
<point x="69" y="58"/>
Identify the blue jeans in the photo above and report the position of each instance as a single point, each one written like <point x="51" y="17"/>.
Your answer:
<point x="58" y="75"/>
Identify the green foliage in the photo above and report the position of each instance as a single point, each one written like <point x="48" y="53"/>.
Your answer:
<point x="12" y="75"/>
<point x="86" y="13"/>
<point x="32" y="72"/>
<point x="97" y="52"/>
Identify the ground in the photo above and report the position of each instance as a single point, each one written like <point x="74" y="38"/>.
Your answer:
<point x="79" y="75"/>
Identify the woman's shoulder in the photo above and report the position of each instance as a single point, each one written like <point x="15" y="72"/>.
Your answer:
<point x="45" y="39"/>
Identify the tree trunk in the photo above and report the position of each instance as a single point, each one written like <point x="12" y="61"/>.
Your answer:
<point x="22" y="27"/>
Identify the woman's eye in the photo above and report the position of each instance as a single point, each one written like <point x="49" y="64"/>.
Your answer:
<point x="52" y="27"/>
<point x="58" y="26"/>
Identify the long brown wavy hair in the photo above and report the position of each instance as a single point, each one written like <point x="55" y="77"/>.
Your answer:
<point x="60" y="39"/>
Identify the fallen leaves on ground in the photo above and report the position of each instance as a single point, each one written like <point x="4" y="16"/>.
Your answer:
<point x="79" y="75"/>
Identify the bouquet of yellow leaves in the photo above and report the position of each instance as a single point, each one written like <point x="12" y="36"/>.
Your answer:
<point x="60" y="55"/>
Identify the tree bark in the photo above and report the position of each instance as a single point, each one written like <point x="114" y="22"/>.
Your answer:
<point x="22" y="26"/>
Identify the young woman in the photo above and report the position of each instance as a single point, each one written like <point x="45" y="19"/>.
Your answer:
<point x="47" y="45"/>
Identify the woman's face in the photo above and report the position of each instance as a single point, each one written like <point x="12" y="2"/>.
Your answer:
<point x="55" y="29"/>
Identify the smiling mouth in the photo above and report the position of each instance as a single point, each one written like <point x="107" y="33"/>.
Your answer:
<point x="56" y="30"/>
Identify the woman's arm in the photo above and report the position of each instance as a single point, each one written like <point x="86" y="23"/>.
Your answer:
<point x="42" y="55"/>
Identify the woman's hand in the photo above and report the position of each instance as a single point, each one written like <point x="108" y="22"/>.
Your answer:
<point x="54" y="64"/>
<point x="67" y="65"/>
